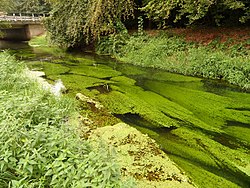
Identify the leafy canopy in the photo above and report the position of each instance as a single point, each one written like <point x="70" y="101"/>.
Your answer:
<point x="192" y="11"/>
<point x="77" y="22"/>
<point x="16" y="6"/>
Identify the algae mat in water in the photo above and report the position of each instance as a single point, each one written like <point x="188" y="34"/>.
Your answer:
<point x="192" y="122"/>
<point x="203" y="125"/>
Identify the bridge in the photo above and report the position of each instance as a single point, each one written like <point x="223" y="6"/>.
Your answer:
<point x="21" y="26"/>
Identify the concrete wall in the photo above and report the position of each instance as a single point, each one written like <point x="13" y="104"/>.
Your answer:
<point x="34" y="30"/>
<point x="22" y="32"/>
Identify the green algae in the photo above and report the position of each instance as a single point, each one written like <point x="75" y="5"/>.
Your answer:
<point x="71" y="60"/>
<point x="123" y="80"/>
<point x="210" y="108"/>
<point x="230" y="160"/>
<point x="80" y="82"/>
<point x="214" y="111"/>
<point x="140" y="157"/>
<point x="240" y="133"/>
<point x="98" y="71"/>
<point x="204" y="117"/>
<point x="211" y="179"/>
<point x="203" y="128"/>
<point x="217" y="165"/>
<point x="38" y="41"/>
<point x="129" y="98"/>
<point x="49" y="68"/>
<point x="130" y="70"/>
<point x="24" y="54"/>
<point x="166" y="76"/>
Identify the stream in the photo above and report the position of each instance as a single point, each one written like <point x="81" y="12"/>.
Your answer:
<point x="203" y="125"/>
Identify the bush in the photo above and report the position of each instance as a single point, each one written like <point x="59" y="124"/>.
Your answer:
<point x="112" y="44"/>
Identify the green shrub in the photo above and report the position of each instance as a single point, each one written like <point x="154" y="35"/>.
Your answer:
<point x="112" y="44"/>
<point x="216" y="64"/>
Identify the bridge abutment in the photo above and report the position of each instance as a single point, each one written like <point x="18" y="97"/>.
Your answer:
<point x="22" y="32"/>
<point x="34" y="30"/>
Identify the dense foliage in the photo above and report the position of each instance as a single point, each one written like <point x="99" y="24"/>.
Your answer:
<point x="66" y="21"/>
<point x="30" y="6"/>
<point x="75" y="23"/>
<point x="191" y="12"/>
<point x="38" y="148"/>
<point x="5" y="5"/>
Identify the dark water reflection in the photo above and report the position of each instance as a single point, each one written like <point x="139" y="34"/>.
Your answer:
<point x="5" y="45"/>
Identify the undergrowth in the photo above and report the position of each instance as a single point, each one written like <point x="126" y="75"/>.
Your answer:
<point x="227" y="61"/>
<point x="39" y="41"/>
<point x="38" y="147"/>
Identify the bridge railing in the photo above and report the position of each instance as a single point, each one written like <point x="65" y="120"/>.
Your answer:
<point x="22" y="17"/>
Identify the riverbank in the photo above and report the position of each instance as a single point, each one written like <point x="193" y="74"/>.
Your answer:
<point x="210" y="55"/>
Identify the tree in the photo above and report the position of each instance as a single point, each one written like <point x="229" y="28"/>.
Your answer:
<point x="77" y="22"/>
<point x="34" y="6"/>
<point x="8" y="5"/>
<point x="15" y="6"/>
<point x="193" y="11"/>
<point x="66" y="21"/>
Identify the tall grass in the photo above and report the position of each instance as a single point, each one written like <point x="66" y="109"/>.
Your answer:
<point x="38" y="147"/>
<point x="217" y="61"/>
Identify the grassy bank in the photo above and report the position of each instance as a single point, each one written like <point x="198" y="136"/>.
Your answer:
<point x="38" y="145"/>
<point x="226" y="61"/>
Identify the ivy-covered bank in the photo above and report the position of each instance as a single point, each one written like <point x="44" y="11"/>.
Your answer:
<point x="229" y="61"/>
<point x="40" y="145"/>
